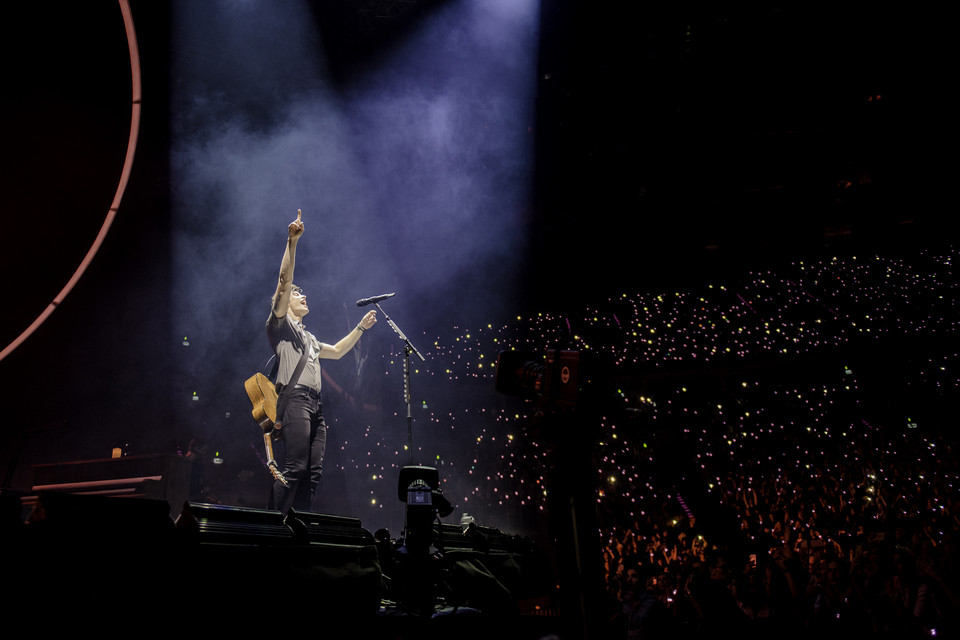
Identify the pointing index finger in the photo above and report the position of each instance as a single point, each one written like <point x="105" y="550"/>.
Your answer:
<point x="298" y="215"/>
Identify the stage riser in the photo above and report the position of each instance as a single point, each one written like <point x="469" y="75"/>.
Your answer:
<point x="156" y="477"/>
<point x="84" y="553"/>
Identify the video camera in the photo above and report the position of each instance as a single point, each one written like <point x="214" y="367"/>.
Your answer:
<point x="553" y="380"/>
<point x="419" y="488"/>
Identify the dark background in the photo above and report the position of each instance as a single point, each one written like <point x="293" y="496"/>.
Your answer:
<point x="671" y="147"/>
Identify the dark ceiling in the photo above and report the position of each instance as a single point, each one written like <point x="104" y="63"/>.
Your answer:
<point x="669" y="140"/>
<point x="683" y="139"/>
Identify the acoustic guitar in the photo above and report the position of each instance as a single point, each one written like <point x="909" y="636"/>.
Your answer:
<point x="263" y="396"/>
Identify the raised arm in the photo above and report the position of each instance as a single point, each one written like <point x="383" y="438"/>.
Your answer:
<point x="337" y="351"/>
<point x="281" y="298"/>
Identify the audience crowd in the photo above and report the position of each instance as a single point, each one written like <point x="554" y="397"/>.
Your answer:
<point x="852" y="545"/>
<point x="800" y="500"/>
<point x="775" y="458"/>
<point x="781" y="459"/>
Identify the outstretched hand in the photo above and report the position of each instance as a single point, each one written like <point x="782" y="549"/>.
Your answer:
<point x="369" y="320"/>
<point x="295" y="230"/>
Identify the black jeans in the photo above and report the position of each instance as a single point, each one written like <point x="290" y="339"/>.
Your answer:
<point x="304" y="434"/>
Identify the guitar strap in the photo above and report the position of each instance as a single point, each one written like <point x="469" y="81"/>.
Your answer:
<point x="284" y="395"/>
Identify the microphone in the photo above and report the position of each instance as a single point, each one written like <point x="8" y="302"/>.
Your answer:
<point x="364" y="302"/>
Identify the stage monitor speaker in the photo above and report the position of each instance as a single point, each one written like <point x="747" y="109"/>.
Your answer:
<point x="327" y="563"/>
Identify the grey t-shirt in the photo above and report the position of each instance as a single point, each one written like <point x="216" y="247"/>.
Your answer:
<point x="287" y="339"/>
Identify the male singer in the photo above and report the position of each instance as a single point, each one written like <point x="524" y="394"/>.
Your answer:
<point x="302" y="425"/>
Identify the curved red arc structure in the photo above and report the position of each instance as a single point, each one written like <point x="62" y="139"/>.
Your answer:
<point x="121" y="186"/>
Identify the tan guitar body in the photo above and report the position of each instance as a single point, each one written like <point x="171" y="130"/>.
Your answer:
<point x="263" y="396"/>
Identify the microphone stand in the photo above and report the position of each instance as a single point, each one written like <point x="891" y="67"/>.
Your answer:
<point x="407" y="350"/>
